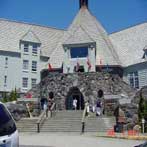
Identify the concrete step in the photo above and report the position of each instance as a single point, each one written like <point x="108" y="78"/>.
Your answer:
<point x="68" y="121"/>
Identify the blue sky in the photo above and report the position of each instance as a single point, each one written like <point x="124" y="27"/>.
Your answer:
<point x="114" y="15"/>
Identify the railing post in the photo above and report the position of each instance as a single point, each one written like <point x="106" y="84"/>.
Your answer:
<point x="51" y="113"/>
<point x="46" y="113"/>
<point x="38" y="128"/>
<point x="83" y="127"/>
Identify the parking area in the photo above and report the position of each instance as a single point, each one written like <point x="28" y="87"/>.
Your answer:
<point x="71" y="140"/>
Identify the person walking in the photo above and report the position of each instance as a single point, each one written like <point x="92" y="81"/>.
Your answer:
<point x="98" y="108"/>
<point x="87" y="108"/>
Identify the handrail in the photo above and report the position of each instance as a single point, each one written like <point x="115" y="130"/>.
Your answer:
<point x="41" y="120"/>
<point x="28" y="109"/>
<point x="44" y="115"/>
<point x="53" y="109"/>
<point x="83" y="119"/>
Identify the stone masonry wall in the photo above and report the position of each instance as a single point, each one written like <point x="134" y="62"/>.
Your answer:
<point x="88" y="83"/>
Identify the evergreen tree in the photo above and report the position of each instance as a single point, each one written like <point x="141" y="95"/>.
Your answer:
<point x="145" y="109"/>
<point x="141" y="107"/>
<point x="5" y="98"/>
<point x="11" y="98"/>
<point x="15" y="95"/>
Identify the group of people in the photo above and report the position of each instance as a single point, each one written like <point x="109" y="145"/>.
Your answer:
<point x="46" y="103"/>
<point x="97" y="108"/>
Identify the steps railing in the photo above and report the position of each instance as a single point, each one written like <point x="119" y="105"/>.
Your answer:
<point x="53" y="110"/>
<point x="83" y="119"/>
<point x="41" y="119"/>
<point x="44" y="115"/>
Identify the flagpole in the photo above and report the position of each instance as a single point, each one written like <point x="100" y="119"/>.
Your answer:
<point x="107" y="68"/>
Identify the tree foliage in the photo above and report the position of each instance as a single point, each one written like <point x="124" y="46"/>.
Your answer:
<point x="12" y="97"/>
<point x="142" y="109"/>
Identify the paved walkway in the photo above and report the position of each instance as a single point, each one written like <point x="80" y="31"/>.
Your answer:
<point x="71" y="140"/>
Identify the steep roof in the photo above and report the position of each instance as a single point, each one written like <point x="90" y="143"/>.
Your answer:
<point x="30" y="37"/>
<point x="11" y="32"/>
<point x="129" y="44"/>
<point x="85" y="26"/>
<point x="79" y="36"/>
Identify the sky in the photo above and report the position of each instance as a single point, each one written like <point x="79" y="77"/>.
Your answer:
<point x="114" y="15"/>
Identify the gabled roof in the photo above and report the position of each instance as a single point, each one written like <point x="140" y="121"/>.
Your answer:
<point x="78" y="37"/>
<point x="129" y="44"/>
<point x="11" y="32"/>
<point x="30" y="37"/>
<point x="93" y="31"/>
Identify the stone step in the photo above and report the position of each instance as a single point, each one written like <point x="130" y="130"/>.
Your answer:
<point x="68" y="121"/>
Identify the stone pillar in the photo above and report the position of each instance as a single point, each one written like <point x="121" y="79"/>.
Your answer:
<point x="66" y="62"/>
<point x="92" y="58"/>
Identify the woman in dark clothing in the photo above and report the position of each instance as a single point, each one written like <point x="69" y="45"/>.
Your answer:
<point x="116" y="113"/>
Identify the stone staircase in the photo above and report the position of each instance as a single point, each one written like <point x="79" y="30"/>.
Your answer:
<point x="64" y="121"/>
<point x="68" y="121"/>
<point x="27" y="125"/>
<point x="99" y="124"/>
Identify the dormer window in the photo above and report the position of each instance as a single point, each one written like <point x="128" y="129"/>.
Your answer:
<point x="79" y="52"/>
<point x="34" y="49"/>
<point x="145" y="52"/>
<point x="26" y="47"/>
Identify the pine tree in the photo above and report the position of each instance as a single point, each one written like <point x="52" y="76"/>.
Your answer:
<point x="15" y="95"/>
<point x="5" y="98"/>
<point x="11" y="96"/>
<point x="141" y="107"/>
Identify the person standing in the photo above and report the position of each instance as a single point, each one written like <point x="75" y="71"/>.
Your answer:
<point x="75" y="104"/>
<point x="116" y="113"/>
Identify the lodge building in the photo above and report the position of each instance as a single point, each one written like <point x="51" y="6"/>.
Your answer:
<point x="28" y="50"/>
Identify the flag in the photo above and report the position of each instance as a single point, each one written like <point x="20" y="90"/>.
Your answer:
<point x="77" y="66"/>
<point x="28" y="95"/>
<point x="89" y="64"/>
<point x="49" y="67"/>
<point x="100" y="66"/>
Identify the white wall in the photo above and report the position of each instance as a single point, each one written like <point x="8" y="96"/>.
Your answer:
<point x="12" y="71"/>
<point x="72" y="62"/>
<point x="142" y="73"/>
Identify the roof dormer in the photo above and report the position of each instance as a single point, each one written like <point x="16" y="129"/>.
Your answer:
<point x="30" y="36"/>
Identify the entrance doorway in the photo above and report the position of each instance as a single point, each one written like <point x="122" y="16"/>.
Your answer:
<point x="74" y="93"/>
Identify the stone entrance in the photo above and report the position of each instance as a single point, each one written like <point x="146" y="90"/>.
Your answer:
<point x="84" y="86"/>
<point x="74" y="93"/>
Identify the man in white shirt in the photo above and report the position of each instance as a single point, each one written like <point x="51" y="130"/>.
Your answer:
<point x="75" y="104"/>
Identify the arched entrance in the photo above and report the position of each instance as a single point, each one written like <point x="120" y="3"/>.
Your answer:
<point x="100" y="93"/>
<point x="74" y="93"/>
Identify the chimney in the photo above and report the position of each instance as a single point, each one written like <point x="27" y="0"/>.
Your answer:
<point x="83" y="3"/>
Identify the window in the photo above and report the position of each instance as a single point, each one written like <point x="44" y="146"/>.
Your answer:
<point x="25" y="82"/>
<point x="34" y="65"/>
<point x="79" y="52"/>
<point x="25" y="64"/>
<point x="26" y="48"/>
<point x="5" y="80"/>
<point x="34" y="49"/>
<point x="34" y="82"/>
<point x="6" y="61"/>
<point x="134" y="79"/>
